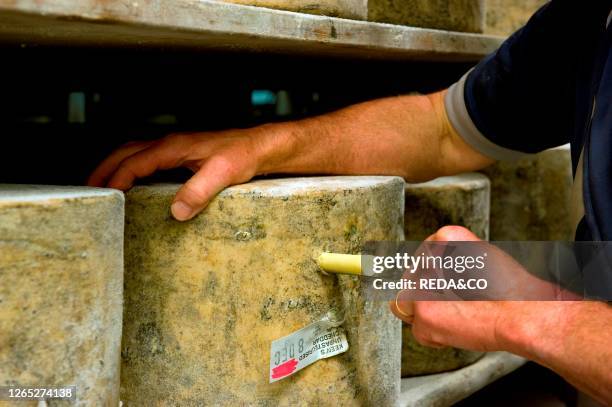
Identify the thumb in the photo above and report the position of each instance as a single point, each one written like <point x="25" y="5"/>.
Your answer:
<point x="453" y="234"/>
<point x="195" y="194"/>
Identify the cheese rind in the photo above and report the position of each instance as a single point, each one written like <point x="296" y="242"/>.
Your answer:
<point x="531" y="197"/>
<point x="204" y="299"/>
<point x="61" y="273"/>
<point x="452" y="15"/>
<point x="352" y="9"/>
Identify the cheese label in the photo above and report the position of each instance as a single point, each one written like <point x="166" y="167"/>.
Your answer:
<point x="322" y="339"/>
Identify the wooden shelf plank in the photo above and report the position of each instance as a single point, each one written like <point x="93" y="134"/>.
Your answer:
<point x="446" y="389"/>
<point x="211" y="25"/>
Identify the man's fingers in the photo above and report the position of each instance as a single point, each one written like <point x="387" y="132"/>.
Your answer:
<point x="424" y="336"/>
<point x="106" y="168"/>
<point x="129" y="161"/>
<point x="216" y="166"/>
<point x="216" y="174"/>
<point x="405" y="310"/>
<point x="144" y="163"/>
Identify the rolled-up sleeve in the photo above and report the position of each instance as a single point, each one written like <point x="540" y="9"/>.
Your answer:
<point x="461" y="120"/>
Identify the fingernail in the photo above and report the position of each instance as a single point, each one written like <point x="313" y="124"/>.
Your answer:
<point x="181" y="211"/>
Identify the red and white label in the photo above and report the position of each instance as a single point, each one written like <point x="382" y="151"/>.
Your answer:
<point x="294" y="352"/>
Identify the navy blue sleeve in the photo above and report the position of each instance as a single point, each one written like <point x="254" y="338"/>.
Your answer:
<point x="522" y="97"/>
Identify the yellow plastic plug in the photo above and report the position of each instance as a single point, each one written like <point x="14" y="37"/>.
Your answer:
<point x="340" y="263"/>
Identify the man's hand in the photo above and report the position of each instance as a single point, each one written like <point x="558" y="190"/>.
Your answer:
<point x="408" y="136"/>
<point x="218" y="160"/>
<point x="571" y="337"/>
<point x="471" y="325"/>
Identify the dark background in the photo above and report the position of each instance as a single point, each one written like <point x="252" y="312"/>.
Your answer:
<point x="138" y="94"/>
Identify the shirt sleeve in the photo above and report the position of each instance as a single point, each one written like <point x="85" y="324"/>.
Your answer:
<point x="521" y="99"/>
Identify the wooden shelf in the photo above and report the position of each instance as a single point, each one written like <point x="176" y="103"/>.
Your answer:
<point x="446" y="389"/>
<point x="210" y="25"/>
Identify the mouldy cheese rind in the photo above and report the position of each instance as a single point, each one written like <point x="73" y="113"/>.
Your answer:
<point x="205" y="298"/>
<point x="61" y="267"/>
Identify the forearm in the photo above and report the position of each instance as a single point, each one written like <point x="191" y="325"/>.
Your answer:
<point x="574" y="339"/>
<point x="408" y="136"/>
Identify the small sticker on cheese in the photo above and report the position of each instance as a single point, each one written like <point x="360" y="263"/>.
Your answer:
<point x="294" y="352"/>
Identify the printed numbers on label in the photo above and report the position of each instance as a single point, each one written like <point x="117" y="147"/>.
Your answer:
<point x="286" y="353"/>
